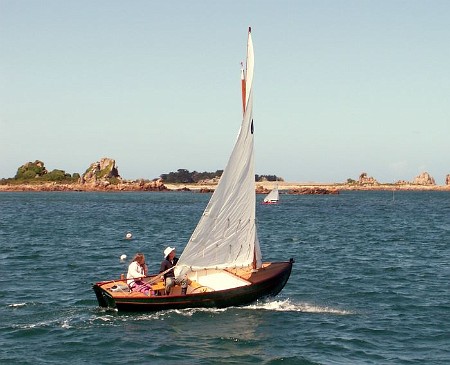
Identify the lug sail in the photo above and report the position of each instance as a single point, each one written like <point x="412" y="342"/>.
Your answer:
<point x="226" y="234"/>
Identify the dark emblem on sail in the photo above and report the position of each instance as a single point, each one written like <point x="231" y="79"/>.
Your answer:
<point x="251" y="127"/>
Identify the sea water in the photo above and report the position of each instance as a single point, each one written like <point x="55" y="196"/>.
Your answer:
<point x="371" y="282"/>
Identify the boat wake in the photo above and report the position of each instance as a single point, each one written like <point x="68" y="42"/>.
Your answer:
<point x="270" y="305"/>
<point x="288" y="306"/>
<point x="102" y="317"/>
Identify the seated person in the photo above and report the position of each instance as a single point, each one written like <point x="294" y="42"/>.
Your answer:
<point x="137" y="270"/>
<point x="169" y="277"/>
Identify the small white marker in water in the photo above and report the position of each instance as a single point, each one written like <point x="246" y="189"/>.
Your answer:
<point x="128" y="236"/>
<point x="123" y="257"/>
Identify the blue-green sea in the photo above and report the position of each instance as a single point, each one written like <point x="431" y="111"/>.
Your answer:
<point x="371" y="282"/>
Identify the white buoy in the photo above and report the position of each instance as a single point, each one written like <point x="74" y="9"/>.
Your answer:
<point x="128" y="236"/>
<point x="123" y="257"/>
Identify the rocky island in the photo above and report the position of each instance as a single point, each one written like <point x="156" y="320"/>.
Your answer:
<point x="103" y="175"/>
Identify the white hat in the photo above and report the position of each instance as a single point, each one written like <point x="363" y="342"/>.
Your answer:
<point x="168" y="250"/>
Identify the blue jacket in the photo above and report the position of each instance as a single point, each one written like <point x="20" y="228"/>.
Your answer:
<point x="166" y="265"/>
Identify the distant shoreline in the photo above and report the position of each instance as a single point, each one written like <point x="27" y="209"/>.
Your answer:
<point x="260" y="187"/>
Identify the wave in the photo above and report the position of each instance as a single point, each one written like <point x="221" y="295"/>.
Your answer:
<point x="16" y="305"/>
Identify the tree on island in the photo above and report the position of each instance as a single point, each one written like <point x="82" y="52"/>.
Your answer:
<point x="35" y="172"/>
<point x="186" y="177"/>
<point x="261" y="178"/>
<point x="183" y="176"/>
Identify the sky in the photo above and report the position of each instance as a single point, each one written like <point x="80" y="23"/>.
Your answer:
<point x="340" y="87"/>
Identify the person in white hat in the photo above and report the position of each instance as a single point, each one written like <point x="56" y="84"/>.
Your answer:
<point x="169" y="277"/>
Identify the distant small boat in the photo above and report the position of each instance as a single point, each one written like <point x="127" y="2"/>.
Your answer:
<point x="222" y="260"/>
<point x="273" y="197"/>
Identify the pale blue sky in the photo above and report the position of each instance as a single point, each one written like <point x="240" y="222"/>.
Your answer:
<point x="341" y="87"/>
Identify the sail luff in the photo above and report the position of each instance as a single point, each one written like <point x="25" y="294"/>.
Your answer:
<point x="250" y="62"/>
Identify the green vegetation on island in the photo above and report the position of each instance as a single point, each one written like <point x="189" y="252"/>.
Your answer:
<point x="36" y="173"/>
<point x="105" y="170"/>
<point x="183" y="176"/>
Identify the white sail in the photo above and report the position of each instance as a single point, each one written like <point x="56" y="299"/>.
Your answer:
<point x="226" y="233"/>
<point x="273" y="196"/>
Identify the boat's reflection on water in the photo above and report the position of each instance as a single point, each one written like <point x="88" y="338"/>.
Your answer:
<point x="236" y="323"/>
<point x="209" y="335"/>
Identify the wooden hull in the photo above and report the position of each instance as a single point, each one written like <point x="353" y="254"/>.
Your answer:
<point x="268" y="281"/>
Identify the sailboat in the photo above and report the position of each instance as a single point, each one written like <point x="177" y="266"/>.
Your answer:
<point x="222" y="259"/>
<point x="273" y="197"/>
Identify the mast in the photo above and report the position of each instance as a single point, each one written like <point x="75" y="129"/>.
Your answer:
<point x="250" y="60"/>
<point x="243" y="87"/>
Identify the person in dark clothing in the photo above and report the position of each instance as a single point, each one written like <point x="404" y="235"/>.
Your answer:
<point x="169" y="277"/>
